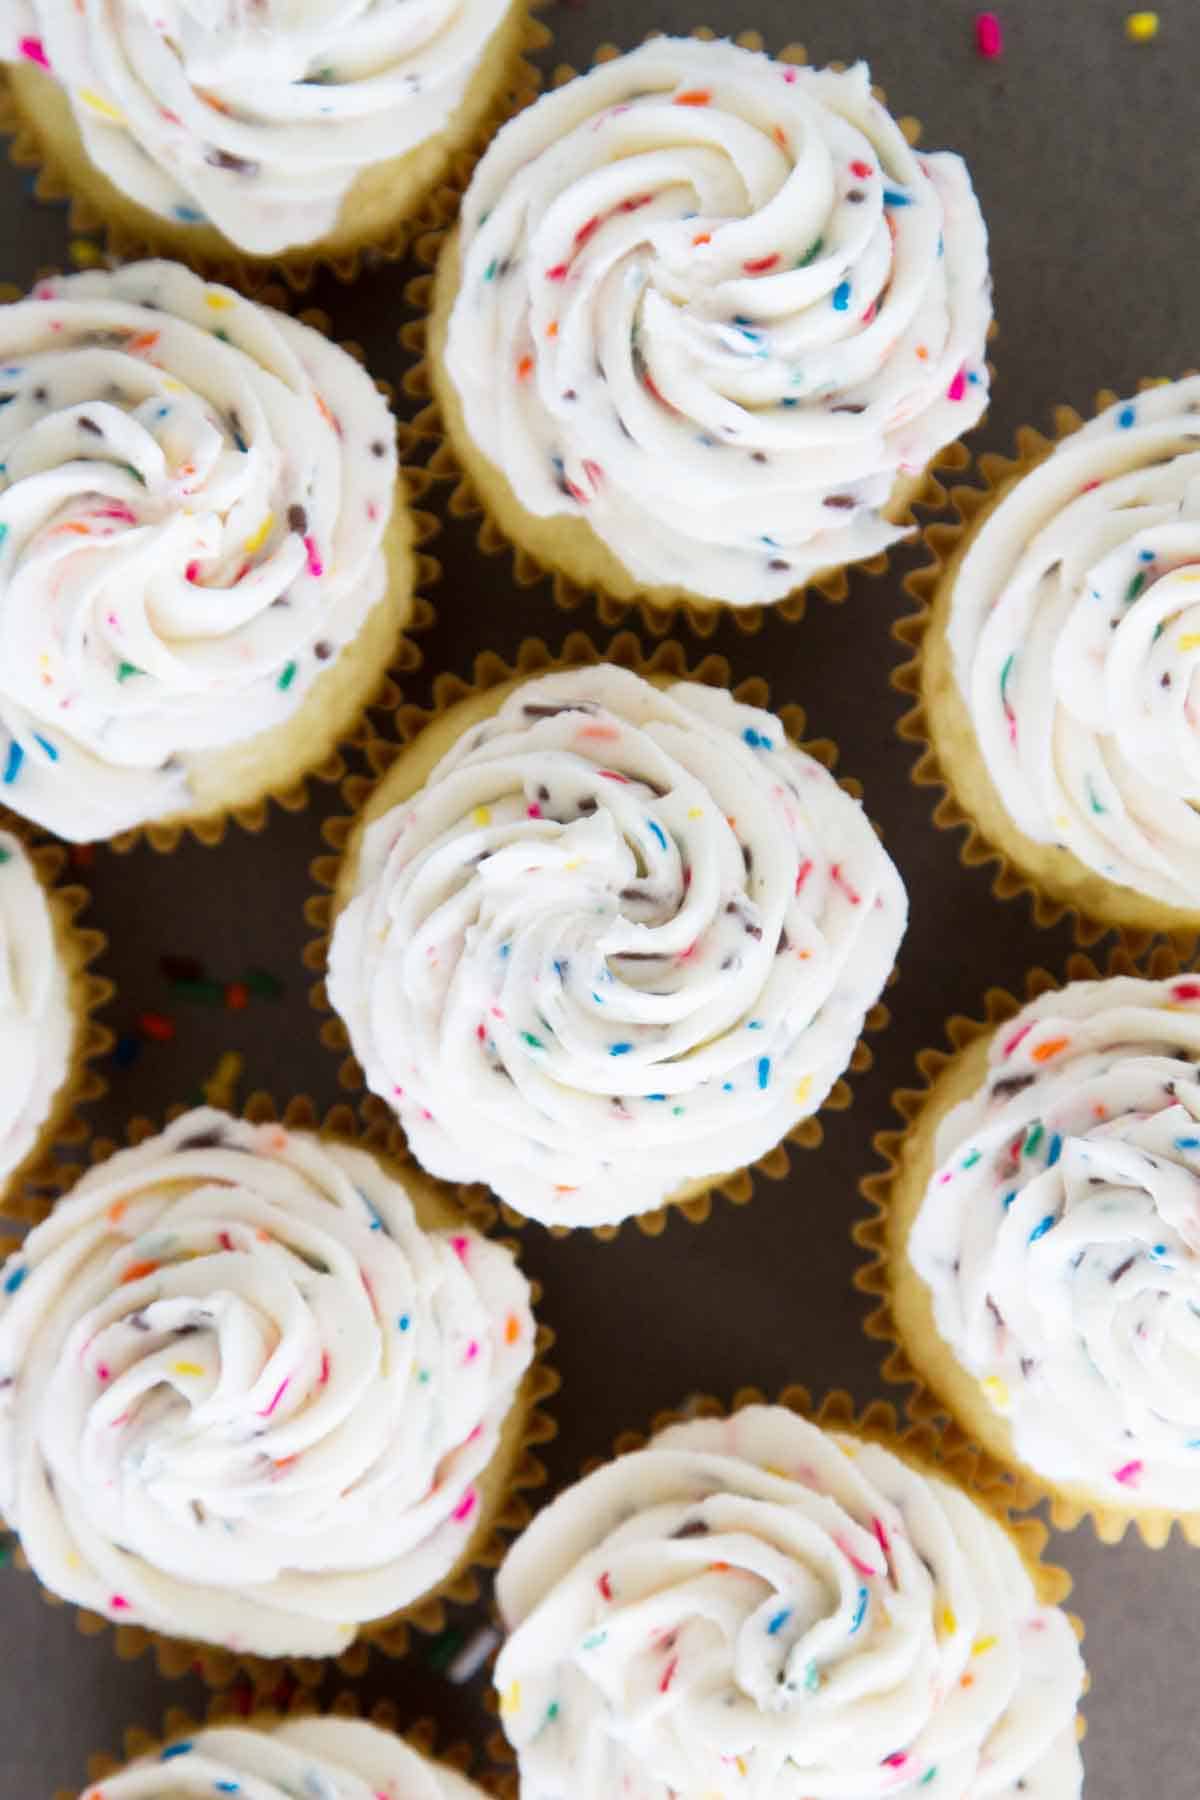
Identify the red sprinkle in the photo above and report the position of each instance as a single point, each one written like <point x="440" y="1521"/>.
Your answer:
<point x="586" y="231"/>
<point x="1186" y="990"/>
<point x="558" y="272"/>
<point x="989" y="38"/>
<point x="852" y="894"/>
<point x="636" y="204"/>
<point x="237" y="996"/>
<point x="593" y="471"/>
<point x="534" y="811"/>
<point x="156" y="1026"/>
<point x="605" y="1586"/>
<point x="760" y="264"/>
<point x="192" y="572"/>
<point x="668" y="1675"/>
<point x="324" y="1367"/>
<point x="225" y="1241"/>
<point x="803" y="873"/>
<point x="525" y="368"/>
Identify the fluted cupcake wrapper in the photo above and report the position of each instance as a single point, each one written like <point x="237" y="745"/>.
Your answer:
<point x="127" y="231"/>
<point x="882" y="1237"/>
<point x="946" y="542"/>
<point x="253" y="1710"/>
<point x="28" y="1192"/>
<point x="658" y="615"/>
<point x="501" y="1516"/>
<point x="668" y="661"/>
<point x="923" y="1444"/>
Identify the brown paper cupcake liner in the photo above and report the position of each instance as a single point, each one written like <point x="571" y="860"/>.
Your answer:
<point x="919" y="1443"/>
<point x="132" y="236"/>
<point x="945" y="541"/>
<point x="924" y="1402"/>
<point x="244" y="1707"/>
<point x="465" y="501"/>
<point x="499" y="1522"/>
<point x="534" y="658"/>
<point x="27" y="1193"/>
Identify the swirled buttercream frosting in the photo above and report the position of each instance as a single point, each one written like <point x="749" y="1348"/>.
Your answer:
<point x="716" y="307"/>
<point x="1060" y="1237"/>
<point x="1075" y="633"/>
<point x="244" y="1397"/>
<point x="255" y="116"/>
<point x="621" y="941"/>
<point x="37" y="1028"/>
<point x="193" y="495"/>
<point x="755" y="1606"/>
<point x="325" y="1758"/>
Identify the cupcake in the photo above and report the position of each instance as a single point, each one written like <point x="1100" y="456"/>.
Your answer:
<point x="706" y="321"/>
<point x="258" y="131"/>
<point x="601" y="940"/>
<point x="1042" y="1251"/>
<point x="757" y="1604"/>
<point x="257" y="1391"/>
<point x="46" y="997"/>
<point x="274" y="1759"/>
<point x="205" y="565"/>
<point x="1059" y="661"/>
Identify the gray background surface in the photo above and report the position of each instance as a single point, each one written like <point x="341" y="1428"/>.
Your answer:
<point x="1083" y="151"/>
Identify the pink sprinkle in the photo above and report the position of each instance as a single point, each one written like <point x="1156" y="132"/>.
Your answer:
<point x="958" y="386"/>
<point x="280" y="1391"/>
<point x="593" y="471"/>
<point x="599" y="731"/>
<point x="668" y="1675"/>
<point x="372" y="510"/>
<point x="192" y="572"/>
<point x="35" y="51"/>
<point x="534" y="811"/>
<point x="803" y="873"/>
<point x="315" y="566"/>
<point x="852" y="894"/>
<point x="465" y="1507"/>
<point x="472" y="1351"/>
<point x="324" y="1367"/>
<point x="117" y="512"/>
<point x="896" y="1760"/>
<point x="460" y="1246"/>
<point x="989" y="39"/>
<point x="789" y="75"/>
<point x="881" y="1533"/>
<point x="611" y="775"/>
<point x="1089" y="486"/>
<point x="103" y="1372"/>
<point x="1017" y="1038"/>
<point x="1128" y="1475"/>
<point x="119" y="1603"/>
<point x="854" y="1561"/>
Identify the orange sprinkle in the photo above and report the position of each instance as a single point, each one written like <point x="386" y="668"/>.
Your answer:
<point x="923" y="352"/>
<point x="73" y="526"/>
<point x="968" y="1681"/>
<point x="552" y="329"/>
<point x="780" y="136"/>
<point x="512" y="1329"/>
<point x="1099" y="1110"/>
<point x="561" y="1188"/>
<point x="137" y="1270"/>
<point x="702" y="237"/>
<point x="719" y="1568"/>
<point x="284" y="1462"/>
<point x="325" y="412"/>
<point x="146" y="340"/>
<point x="1050" y="1048"/>
<point x="694" y="97"/>
<point x="525" y="368"/>
<point x="117" y="1211"/>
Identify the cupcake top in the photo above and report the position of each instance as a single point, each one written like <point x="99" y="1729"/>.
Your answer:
<point x="623" y="939"/>
<point x="755" y="1605"/>
<point x="1075" y="631"/>
<point x="1060" y="1238"/>
<point x="193" y="494"/>
<point x="244" y="1397"/>
<point x="715" y="306"/>
<point x="37" y="1027"/>
<point x="255" y="116"/>
<point x="329" y="1758"/>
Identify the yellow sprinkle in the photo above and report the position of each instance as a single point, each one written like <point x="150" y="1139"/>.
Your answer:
<point x="85" y="254"/>
<point x="981" y="1646"/>
<point x="1140" y="27"/>
<point x="171" y="387"/>
<point x="996" y="1391"/>
<point x="74" y="1560"/>
<point x="220" y="1088"/>
<point x="803" y="1089"/>
<point x="774" y="1469"/>
<point x="695" y="812"/>
<point x="1185" y="574"/>
<point x="948" y="1622"/>
<point x="481" y="816"/>
<point x="740" y="1763"/>
<point x="1189" y="641"/>
<point x="185" y="1368"/>
<point x="218" y="300"/>
<point x="510" y="1700"/>
<point x="100" y="105"/>
<point x="572" y="866"/>
<point x="259" y="538"/>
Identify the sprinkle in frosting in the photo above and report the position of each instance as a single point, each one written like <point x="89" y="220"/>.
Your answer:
<point x="193" y="494"/>
<point x="715" y="306"/>
<point x="1075" y="632"/>
<point x="754" y="1606"/>
<point x="1060" y="1237"/>
<point x="624" y="938"/>
<point x="37" y="1028"/>
<point x="244" y="1397"/>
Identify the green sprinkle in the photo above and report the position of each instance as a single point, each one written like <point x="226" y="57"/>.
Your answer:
<point x="126" y="669"/>
<point x="927" y="1777"/>
<point x="678" y="1111"/>
<point x="202" y="993"/>
<point x="3" y="533"/>
<point x="223" y="335"/>
<point x="1034" y="1139"/>
<point x="1006" y="671"/>
<point x="594" y="1642"/>
<point x="812" y="1678"/>
<point x="444" y="1649"/>
<point x="423" y="1376"/>
<point x="970" y="1161"/>
<point x="136" y="473"/>
<point x="1094" y="799"/>
<point x="286" y="678"/>
<point x="5" y="856"/>
<point x="552" y="1712"/>
<point x="811" y="254"/>
<point x="261" y="981"/>
<point x="535" y="1043"/>
<point x="6" y="1550"/>
<point x="1135" y="587"/>
<point x="489" y="274"/>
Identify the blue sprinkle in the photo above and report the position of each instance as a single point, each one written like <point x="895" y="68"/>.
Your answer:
<point x="376" y="1221"/>
<point x="404" y="1321"/>
<point x="757" y="740"/>
<point x="14" y="1281"/>
<point x="1040" y="1230"/>
<point x="776" y="1625"/>
<point x="764" y="1071"/>
<point x="505" y="950"/>
<point x="128" y="1049"/>
<point x="892" y="197"/>
<point x="727" y="1087"/>
<point x="1187" y="1143"/>
<point x="598" y="998"/>
<point x="1126" y="417"/>
<point x="7" y="399"/>
<point x="619" y="1049"/>
<point x="754" y="1025"/>
<point x="1146" y="556"/>
<point x="841" y="296"/>
<point x="47" y="746"/>
<point x="162" y="412"/>
<point x="860" y="1611"/>
<point x="1055" y="1150"/>
<point x="560" y="969"/>
<point x="741" y="319"/>
<point x="1160" y="1250"/>
<point x="791" y="400"/>
<point x="174" y="1750"/>
<point x="188" y="215"/>
<point x="656" y="1096"/>
<point x="12" y="768"/>
<point x="227" y="1787"/>
<point x="658" y="831"/>
<point x="1009" y="1198"/>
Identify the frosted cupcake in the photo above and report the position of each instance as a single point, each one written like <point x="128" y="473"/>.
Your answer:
<point x="1043" y="1260"/>
<point x="706" y="321"/>
<point x="761" y="1604"/>
<point x="258" y="129"/>
<point x="318" y="1756"/>
<point x="1060" y="665"/>
<point x="205" y="565"/>
<point x="601" y="941"/>
<point x="255" y="1392"/>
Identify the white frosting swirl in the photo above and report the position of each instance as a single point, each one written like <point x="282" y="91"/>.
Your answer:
<point x="1075" y="631"/>
<point x="244" y="1397"/>
<point x="1060" y="1237"/>
<point x="704" y="306"/>
<point x="193" y="495"/>
<point x="753" y="1606"/>
<point x="255" y="116"/>
<point x="37" y="1029"/>
<point x="623" y="939"/>
<point x="322" y="1758"/>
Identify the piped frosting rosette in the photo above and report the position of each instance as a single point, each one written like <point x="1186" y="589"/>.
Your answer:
<point x="255" y="116"/>
<point x="37" y="1024"/>
<point x="1075" y="633"/>
<point x="325" y="1758"/>
<point x="622" y="940"/>
<point x="193" y="496"/>
<point x="717" y="307"/>
<point x="755" y="1606"/>
<point x="1060" y="1238"/>
<point x="244" y="1398"/>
